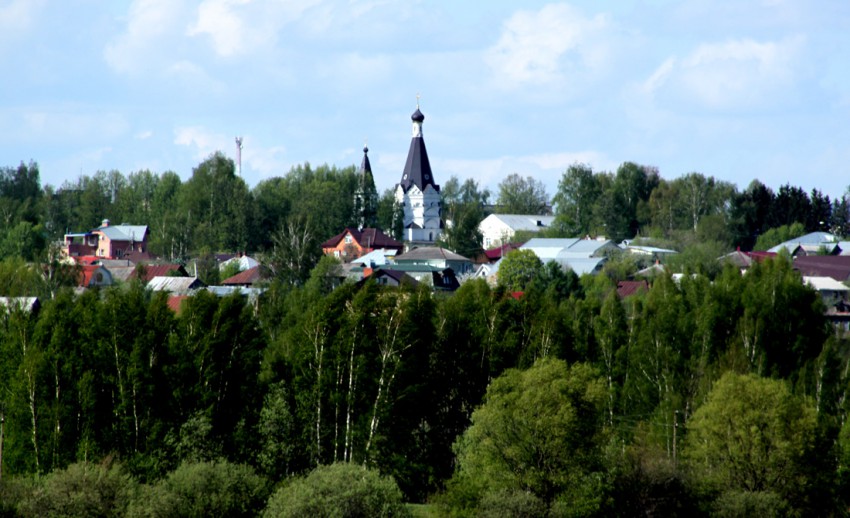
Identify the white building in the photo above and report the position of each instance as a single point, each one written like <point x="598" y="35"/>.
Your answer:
<point x="417" y="193"/>
<point x="579" y="255"/>
<point x="499" y="229"/>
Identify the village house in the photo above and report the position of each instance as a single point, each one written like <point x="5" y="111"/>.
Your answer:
<point x="352" y="243"/>
<point x="579" y="255"/>
<point x="107" y="241"/>
<point x="499" y="229"/>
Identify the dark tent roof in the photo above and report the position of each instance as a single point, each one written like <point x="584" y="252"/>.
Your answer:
<point x="365" y="166"/>
<point x="417" y="169"/>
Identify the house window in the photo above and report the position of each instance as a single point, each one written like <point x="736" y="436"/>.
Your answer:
<point x="336" y="253"/>
<point x="348" y="239"/>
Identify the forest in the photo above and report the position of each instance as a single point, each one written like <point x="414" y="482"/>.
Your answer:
<point x="721" y="394"/>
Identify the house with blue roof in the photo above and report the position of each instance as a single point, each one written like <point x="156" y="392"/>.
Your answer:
<point x="813" y="243"/>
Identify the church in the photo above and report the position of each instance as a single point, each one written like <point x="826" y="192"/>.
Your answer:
<point x="418" y="195"/>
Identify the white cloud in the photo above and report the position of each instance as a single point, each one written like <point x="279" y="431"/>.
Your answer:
<point x="143" y="135"/>
<point x="17" y="17"/>
<point x="150" y="27"/>
<point x="237" y="27"/>
<point x="731" y="74"/>
<point x="218" y="19"/>
<point x="541" y="47"/>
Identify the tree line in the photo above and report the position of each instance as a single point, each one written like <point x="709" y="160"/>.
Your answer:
<point x="214" y="210"/>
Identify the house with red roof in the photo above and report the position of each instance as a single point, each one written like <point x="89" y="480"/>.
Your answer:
<point x="352" y="243"/>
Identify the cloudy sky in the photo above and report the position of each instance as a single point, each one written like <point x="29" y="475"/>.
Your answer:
<point x="735" y="89"/>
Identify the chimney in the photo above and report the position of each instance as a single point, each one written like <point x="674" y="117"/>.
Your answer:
<point x="104" y="223"/>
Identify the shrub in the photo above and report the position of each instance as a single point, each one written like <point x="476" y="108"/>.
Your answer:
<point x="217" y="488"/>
<point x="339" y="490"/>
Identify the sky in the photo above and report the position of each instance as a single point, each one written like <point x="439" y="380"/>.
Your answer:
<point x="734" y="89"/>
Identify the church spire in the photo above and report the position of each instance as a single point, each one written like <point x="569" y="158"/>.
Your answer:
<point x="417" y="169"/>
<point x="366" y="196"/>
<point x="416" y="194"/>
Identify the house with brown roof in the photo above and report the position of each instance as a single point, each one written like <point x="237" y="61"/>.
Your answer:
<point x="147" y="271"/>
<point x="834" y="266"/>
<point x="743" y="260"/>
<point x="247" y="278"/>
<point x="352" y="243"/>
<point x="628" y="288"/>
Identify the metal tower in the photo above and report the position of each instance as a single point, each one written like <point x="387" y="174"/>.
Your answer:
<point x="239" y="155"/>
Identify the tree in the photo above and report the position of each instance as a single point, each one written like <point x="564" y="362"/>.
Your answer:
<point x="753" y="435"/>
<point x="296" y="251"/>
<point x="538" y="431"/>
<point x="463" y="210"/>
<point x="217" y="206"/>
<point x="20" y="193"/>
<point x="750" y="213"/>
<point x="577" y="194"/>
<point x="390" y="217"/>
<point x="611" y="333"/>
<point x="169" y="224"/>
<point x="622" y="207"/>
<point x="701" y="196"/>
<point x="341" y="489"/>
<point x="518" y="195"/>
<point x="518" y="269"/>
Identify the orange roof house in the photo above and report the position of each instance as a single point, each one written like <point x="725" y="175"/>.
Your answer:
<point x="94" y="275"/>
<point x="352" y="243"/>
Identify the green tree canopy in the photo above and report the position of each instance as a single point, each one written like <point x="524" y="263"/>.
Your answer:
<point x="518" y="269"/>
<point x="753" y="435"/>
<point x="538" y="431"/>
<point x="518" y="195"/>
<point x="578" y="191"/>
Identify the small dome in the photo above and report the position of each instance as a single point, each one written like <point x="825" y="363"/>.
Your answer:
<point x="417" y="116"/>
<point x="365" y="150"/>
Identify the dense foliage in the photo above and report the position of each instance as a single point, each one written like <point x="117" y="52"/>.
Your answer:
<point x="566" y="399"/>
<point x="391" y="379"/>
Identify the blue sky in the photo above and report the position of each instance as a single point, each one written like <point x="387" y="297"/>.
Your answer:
<point x="730" y="88"/>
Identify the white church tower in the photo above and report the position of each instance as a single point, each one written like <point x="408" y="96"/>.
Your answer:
<point x="417" y="194"/>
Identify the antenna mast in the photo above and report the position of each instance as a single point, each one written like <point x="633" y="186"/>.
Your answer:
<point x="239" y="155"/>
